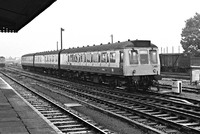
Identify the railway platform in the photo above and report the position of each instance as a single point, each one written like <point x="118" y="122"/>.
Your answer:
<point x="17" y="117"/>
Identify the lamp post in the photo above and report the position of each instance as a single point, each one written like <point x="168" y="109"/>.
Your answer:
<point x="57" y="45"/>
<point x="111" y="38"/>
<point x="61" y="36"/>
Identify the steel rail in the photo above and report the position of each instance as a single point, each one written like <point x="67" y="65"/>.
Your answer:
<point x="58" y="114"/>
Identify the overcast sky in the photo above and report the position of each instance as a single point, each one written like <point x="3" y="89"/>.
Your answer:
<point x="88" y="22"/>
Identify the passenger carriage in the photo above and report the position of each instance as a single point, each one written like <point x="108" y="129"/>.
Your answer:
<point x="27" y="61"/>
<point x="131" y="63"/>
<point x="47" y="62"/>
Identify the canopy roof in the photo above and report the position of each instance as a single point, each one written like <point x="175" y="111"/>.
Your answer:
<point x="15" y="14"/>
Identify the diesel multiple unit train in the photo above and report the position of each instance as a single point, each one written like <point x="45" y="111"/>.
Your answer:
<point x="2" y="61"/>
<point x="130" y="64"/>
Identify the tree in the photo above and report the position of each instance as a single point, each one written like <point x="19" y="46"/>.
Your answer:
<point x="190" y="37"/>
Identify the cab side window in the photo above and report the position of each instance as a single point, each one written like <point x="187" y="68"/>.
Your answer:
<point x="144" y="57"/>
<point x="121" y="57"/>
<point x="112" y="57"/>
<point x="88" y="57"/>
<point x="153" y="56"/>
<point x="133" y="56"/>
<point x="104" y="57"/>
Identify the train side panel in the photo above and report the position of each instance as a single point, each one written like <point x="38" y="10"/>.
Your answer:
<point x="47" y="62"/>
<point x="130" y="63"/>
<point x="105" y="62"/>
<point x="27" y="61"/>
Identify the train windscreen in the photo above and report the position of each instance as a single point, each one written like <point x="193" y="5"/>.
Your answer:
<point x="143" y="57"/>
<point x="153" y="56"/>
<point x="133" y="57"/>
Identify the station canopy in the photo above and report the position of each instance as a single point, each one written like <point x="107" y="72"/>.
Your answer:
<point x="15" y="14"/>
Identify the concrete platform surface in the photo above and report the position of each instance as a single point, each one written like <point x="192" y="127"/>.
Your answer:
<point x="17" y="117"/>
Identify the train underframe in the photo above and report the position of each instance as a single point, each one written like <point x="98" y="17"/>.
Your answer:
<point x="130" y="83"/>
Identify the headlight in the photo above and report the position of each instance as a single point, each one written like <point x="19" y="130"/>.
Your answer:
<point x="134" y="71"/>
<point x="154" y="70"/>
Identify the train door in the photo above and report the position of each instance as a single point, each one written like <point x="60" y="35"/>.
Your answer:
<point x="114" y="59"/>
<point x="33" y="60"/>
<point x="131" y="62"/>
<point x="104" y="59"/>
<point x="96" y="59"/>
<point x="121" y="61"/>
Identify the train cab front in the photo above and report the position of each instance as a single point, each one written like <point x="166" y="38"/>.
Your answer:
<point x="142" y="66"/>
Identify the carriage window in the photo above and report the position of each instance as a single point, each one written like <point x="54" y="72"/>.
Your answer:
<point x="104" y="57"/>
<point x="71" y="58"/>
<point x="133" y="57"/>
<point x="112" y="57"/>
<point x="80" y="58"/>
<point x="143" y="57"/>
<point x="121" y="57"/>
<point x="68" y="58"/>
<point x="91" y="57"/>
<point x="53" y="58"/>
<point x="108" y="57"/>
<point x="84" y="55"/>
<point x="153" y="56"/>
<point x="88" y="57"/>
<point x="56" y="58"/>
<point x="75" y="58"/>
<point x="95" y="57"/>
<point x="99" y="57"/>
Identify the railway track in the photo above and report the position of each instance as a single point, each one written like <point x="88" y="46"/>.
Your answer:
<point x="181" y="76"/>
<point x="139" y="111"/>
<point x="165" y="86"/>
<point x="184" y="89"/>
<point x="159" y="115"/>
<point x="185" y="76"/>
<point x="65" y="120"/>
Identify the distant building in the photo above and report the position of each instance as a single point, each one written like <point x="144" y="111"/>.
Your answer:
<point x="13" y="61"/>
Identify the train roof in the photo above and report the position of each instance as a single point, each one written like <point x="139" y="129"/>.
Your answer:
<point x="48" y="52"/>
<point x="102" y="47"/>
<point x="114" y="46"/>
<point x="31" y="54"/>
